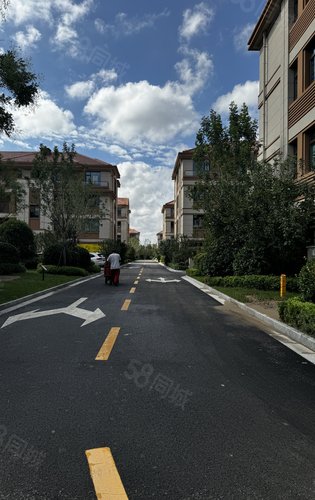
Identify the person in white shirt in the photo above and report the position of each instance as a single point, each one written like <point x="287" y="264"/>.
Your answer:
<point x="114" y="261"/>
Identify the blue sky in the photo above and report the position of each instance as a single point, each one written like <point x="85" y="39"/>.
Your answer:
<point x="128" y="82"/>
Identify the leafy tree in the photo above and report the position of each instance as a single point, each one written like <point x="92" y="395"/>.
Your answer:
<point x="253" y="222"/>
<point x="19" y="88"/>
<point x="109" y="246"/>
<point x="64" y="197"/>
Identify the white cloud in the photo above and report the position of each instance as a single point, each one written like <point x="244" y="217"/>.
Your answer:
<point x="241" y="38"/>
<point x="125" y="25"/>
<point x="148" y="189"/>
<point x="80" y="90"/>
<point x="84" y="89"/>
<point x="27" y="39"/>
<point x="194" y="69"/>
<point x="196" y="21"/>
<point x="142" y="110"/>
<point x="44" y="119"/>
<point x="246" y="92"/>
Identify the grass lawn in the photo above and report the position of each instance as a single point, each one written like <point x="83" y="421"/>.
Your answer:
<point x="252" y="294"/>
<point x="29" y="282"/>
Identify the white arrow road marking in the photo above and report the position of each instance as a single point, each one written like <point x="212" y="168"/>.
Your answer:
<point x="72" y="310"/>
<point x="163" y="280"/>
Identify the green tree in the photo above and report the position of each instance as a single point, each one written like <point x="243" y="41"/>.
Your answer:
<point x="253" y="222"/>
<point x="19" y="88"/>
<point x="65" y="199"/>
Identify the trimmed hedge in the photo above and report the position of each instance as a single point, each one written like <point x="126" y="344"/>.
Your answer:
<point x="299" y="314"/>
<point x="306" y="281"/>
<point x="75" y="256"/>
<point x="259" y="282"/>
<point x="8" y="253"/>
<point x="65" y="270"/>
<point x="9" y="268"/>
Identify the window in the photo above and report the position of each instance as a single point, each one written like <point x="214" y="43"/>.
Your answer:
<point x="310" y="63"/>
<point x="119" y="212"/>
<point x="94" y="201"/>
<point x="93" y="178"/>
<point x="311" y="136"/>
<point x="201" y="168"/>
<point x="197" y="221"/>
<point x="91" y="226"/>
<point x="293" y="82"/>
<point x="119" y="225"/>
<point x="34" y="211"/>
<point x="294" y="11"/>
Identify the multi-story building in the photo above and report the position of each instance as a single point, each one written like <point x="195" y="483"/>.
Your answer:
<point x="101" y="175"/>
<point x="285" y="37"/>
<point x="188" y="221"/>
<point x="133" y="233"/>
<point x="123" y="212"/>
<point x="159" y="237"/>
<point x="168" y="220"/>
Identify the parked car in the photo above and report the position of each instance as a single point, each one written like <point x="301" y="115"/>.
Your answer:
<point x="97" y="258"/>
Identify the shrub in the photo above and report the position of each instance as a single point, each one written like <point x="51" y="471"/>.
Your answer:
<point x="192" y="272"/>
<point x="9" y="268"/>
<point x="53" y="254"/>
<point x="65" y="270"/>
<point x="19" y="235"/>
<point x="78" y="257"/>
<point x="31" y="263"/>
<point x="299" y="314"/>
<point x="8" y="253"/>
<point x="200" y="261"/>
<point x="58" y="254"/>
<point x="263" y="282"/>
<point x="93" y="268"/>
<point x="306" y="281"/>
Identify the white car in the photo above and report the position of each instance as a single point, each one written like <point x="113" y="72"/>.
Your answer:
<point x="97" y="258"/>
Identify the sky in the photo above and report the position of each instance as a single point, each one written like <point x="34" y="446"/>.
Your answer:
<point x="128" y="82"/>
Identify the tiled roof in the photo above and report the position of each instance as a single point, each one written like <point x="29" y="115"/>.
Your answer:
<point x="27" y="157"/>
<point x="133" y="231"/>
<point x="123" y="201"/>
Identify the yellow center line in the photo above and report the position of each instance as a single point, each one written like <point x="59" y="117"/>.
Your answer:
<point x="125" y="305"/>
<point x="104" y="474"/>
<point x="108" y="345"/>
<point x="133" y="289"/>
<point x="136" y="282"/>
<point x="138" y="277"/>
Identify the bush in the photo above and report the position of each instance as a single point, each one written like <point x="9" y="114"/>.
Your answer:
<point x="200" y="261"/>
<point x="31" y="263"/>
<point x="192" y="272"/>
<point x="8" y="253"/>
<point x="9" y="268"/>
<point x="58" y="255"/>
<point x="263" y="282"/>
<point x="298" y="314"/>
<point x="306" y="281"/>
<point x="93" y="268"/>
<point x="65" y="270"/>
<point x="18" y="234"/>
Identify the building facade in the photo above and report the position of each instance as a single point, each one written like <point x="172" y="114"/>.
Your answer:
<point x="133" y="233"/>
<point x="168" y="220"/>
<point x="123" y="212"/>
<point x="104" y="179"/>
<point x="188" y="221"/>
<point x="285" y="37"/>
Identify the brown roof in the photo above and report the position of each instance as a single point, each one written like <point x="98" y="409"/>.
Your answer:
<point x="183" y="155"/>
<point x="123" y="201"/>
<point x="169" y="204"/>
<point x="27" y="157"/>
<point x="133" y="231"/>
<point x="266" y="20"/>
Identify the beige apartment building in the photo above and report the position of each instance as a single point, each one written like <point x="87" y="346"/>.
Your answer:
<point x="187" y="220"/>
<point x="168" y="221"/>
<point x="104" y="178"/>
<point x="123" y="212"/>
<point x="285" y="38"/>
<point x="133" y="233"/>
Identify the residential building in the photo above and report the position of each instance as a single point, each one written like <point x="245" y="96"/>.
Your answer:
<point x="159" y="237"/>
<point x="188" y="220"/>
<point x="123" y="212"/>
<point x="104" y="178"/>
<point x="133" y="233"/>
<point x="168" y="220"/>
<point x="285" y="37"/>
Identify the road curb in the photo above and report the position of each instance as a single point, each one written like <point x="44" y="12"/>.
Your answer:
<point x="292" y="333"/>
<point x="170" y="269"/>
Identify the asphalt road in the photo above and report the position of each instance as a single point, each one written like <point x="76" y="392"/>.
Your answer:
<point x="194" y="401"/>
